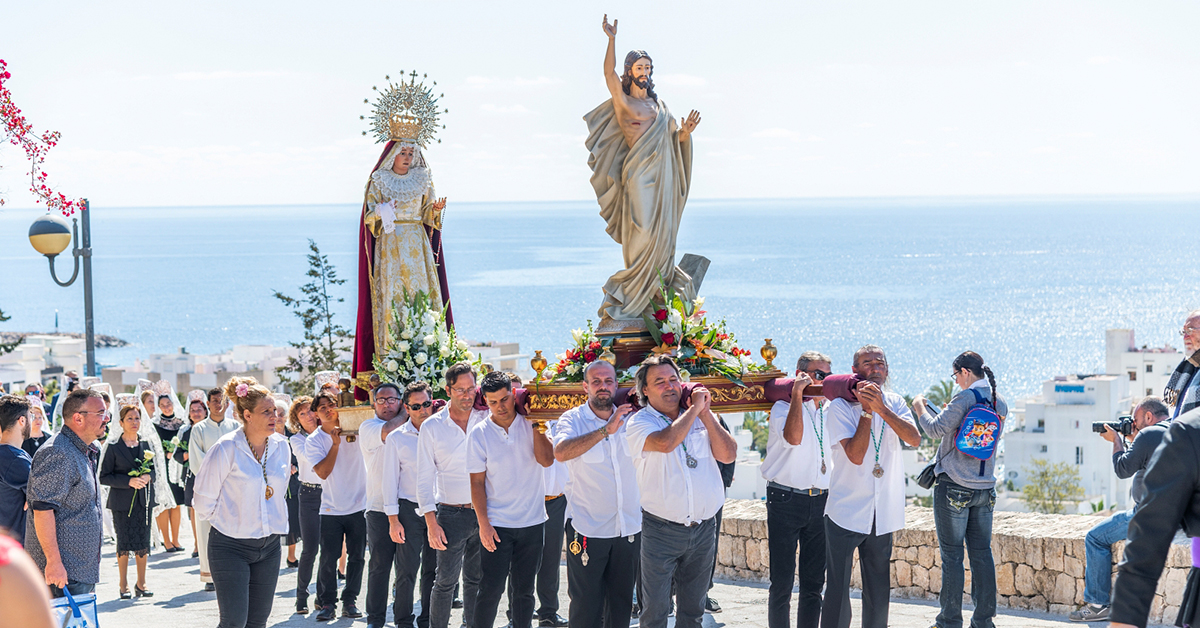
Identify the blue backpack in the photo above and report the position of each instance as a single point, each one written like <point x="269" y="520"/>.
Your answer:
<point x="980" y="431"/>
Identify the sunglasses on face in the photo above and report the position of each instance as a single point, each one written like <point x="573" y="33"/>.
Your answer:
<point x="819" y="375"/>
<point x="418" y="406"/>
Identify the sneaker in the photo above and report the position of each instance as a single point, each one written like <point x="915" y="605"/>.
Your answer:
<point x="711" y="606"/>
<point x="1089" y="612"/>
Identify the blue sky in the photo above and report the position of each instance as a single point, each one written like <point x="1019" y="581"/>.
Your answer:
<point x="166" y="104"/>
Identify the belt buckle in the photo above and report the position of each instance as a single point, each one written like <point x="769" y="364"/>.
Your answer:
<point x="813" y="492"/>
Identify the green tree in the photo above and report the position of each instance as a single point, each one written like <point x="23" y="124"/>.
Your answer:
<point x="1049" y="486"/>
<point x="324" y="340"/>
<point x="757" y="423"/>
<point x="941" y="393"/>
<point x="7" y="347"/>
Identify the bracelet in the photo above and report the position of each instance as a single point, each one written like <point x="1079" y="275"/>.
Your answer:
<point x="603" y="431"/>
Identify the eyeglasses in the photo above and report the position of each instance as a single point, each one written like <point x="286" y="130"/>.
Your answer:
<point x="418" y="406"/>
<point x="819" y="375"/>
<point x="1188" y="330"/>
<point x="462" y="391"/>
<point x="388" y="400"/>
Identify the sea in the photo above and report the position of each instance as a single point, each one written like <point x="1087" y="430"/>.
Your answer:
<point x="1031" y="284"/>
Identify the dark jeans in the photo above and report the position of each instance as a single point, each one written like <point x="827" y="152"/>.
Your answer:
<point x="76" y="588"/>
<point x="518" y="556"/>
<point x="547" y="576"/>
<point x="351" y="528"/>
<point x="460" y="556"/>
<point x="601" y="593"/>
<point x="962" y="514"/>
<point x="379" y="569"/>
<point x="310" y="537"/>
<point x="245" y="572"/>
<point x="795" y="519"/>
<point x="716" y="547"/>
<point x="874" y="565"/>
<point x="679" y="553"/>
<point x="409" y="560"/>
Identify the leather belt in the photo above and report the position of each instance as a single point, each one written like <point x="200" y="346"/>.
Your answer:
<point x="646" y="515"/>
<point x="468" y="506"/>
<point x="551" y="498"/>
<point x="811" y="492"/>
<point x="310" y="485"/>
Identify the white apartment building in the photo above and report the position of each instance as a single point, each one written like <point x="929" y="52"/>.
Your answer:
<point x="1057" y="424"/>
<point x="39" y="357"/>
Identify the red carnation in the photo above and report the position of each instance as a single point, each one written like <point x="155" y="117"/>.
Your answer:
<point x="668" y="338"/>
<point x="660" y="315"/>
<point x="590" y="356"/>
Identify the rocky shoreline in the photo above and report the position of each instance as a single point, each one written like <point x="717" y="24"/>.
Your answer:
<point x="102" y="341"/>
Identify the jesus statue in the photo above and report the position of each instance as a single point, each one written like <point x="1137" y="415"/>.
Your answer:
<point x="641" y="162"/>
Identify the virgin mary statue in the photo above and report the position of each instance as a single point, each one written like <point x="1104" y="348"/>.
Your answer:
<point x="400" y="234"/>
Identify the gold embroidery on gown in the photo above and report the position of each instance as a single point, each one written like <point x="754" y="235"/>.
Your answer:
<point x="403" y="259"/>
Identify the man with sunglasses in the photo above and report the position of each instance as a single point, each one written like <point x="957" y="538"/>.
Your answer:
<point x="407" y="528"/>
<point x="372" y="434"/>
<point x="797" y="469"/>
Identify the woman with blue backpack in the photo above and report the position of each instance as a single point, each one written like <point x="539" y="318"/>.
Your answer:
<point x="964" y="494"/>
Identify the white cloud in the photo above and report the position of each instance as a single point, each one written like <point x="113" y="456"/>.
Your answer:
<point x="500" y="83"/>
<point x="223" y="75"/>
<point x="787" y="134"/>
<point x="504" y="109"/>
<point x="680" y="80"/>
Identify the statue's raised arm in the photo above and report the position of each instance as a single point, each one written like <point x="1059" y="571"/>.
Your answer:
<point x="610" y="60"/>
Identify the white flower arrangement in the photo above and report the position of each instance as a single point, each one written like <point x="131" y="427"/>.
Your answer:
<point x="437" y="347"/>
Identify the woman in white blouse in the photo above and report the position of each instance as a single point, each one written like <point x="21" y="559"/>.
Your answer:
<point x="240" y="491"/>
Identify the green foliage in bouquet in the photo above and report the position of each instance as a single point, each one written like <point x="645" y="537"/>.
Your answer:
<point x="421" y="345"/>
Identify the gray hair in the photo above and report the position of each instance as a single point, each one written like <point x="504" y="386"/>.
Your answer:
<point x="643" y="373"/>
<point x="867" y="349"/>
<point x="1154" y="406"/>
<point x="808" y="357"/>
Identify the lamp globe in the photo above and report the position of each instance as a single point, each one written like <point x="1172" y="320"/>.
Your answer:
<point x="50" y="235"/>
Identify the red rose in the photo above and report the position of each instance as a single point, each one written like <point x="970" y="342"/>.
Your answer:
<point x="595" y="345"/>
<point x="660" y="315"/>
<point x="668" y="338"/>
<point x="590" y="356"/>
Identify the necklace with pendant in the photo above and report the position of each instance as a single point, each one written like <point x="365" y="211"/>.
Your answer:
<point x="878" y="470"/>
<point x="819" y="430"/>
<point x="270" y="491"/>
<point x="688" y="458"/>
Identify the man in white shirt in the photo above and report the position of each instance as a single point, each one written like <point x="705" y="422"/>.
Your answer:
<point x="505" y="457"/>
<point x="796" y="468"/>
<point x="371" y="436"/>
<point x="444" y="496"/>
<point x="405" y="527"/>
<point x="866" y="491"/>
<point x="205" y="435"/>
<point x="676" y="454"/>
<point x="339" y="464"/>
<point x="605" y="517"/>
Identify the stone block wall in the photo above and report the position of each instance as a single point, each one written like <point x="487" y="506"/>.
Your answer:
<point x="1039" y="558"/>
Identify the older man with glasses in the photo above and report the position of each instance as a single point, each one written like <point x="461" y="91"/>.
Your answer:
<point x="1183" y="388"/>
<point x="372" y="434"/>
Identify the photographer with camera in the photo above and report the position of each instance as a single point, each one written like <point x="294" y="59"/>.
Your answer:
<point x="1128" y="461"/>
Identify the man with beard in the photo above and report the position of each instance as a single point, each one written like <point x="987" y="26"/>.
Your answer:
<point x="866" y="491"/>
<point x="604" y="516"/>
<point x="676" y="454"/>
<point x="14" y="462"/>
<point x="641" y="163"/>
<point x="444" y="496"/>
<point x="1183" y="388"/>
<point x="506" y="458"/>
<point x="407" y="528"/>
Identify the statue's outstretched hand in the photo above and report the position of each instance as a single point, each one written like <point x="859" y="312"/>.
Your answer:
<point x="688" y="124"/>
<point x="610" y="29"/>
<point x="440" y="204"/>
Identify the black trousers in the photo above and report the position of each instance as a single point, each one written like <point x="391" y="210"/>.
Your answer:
<point x="412" y="556"/>
<point x="874" y="564"/>
<point x="244" y="572"/>
<point x="379" y="569"/>
<point x="310" y="537"/>
<point x="547" y="576"/>
<point x="601" y="592"/>
<point x="795" y="519"/>
<point x="518" y="556"/>
<point x="335" y="529"/>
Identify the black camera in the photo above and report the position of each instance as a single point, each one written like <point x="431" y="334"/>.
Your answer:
<point x="1123" y="425"/>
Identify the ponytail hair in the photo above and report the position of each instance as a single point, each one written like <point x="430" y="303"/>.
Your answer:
<point x="972" y="362"/>
<point x="251" y="395"/>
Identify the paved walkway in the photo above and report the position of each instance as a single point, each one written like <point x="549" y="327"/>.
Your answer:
<point x="180" y="601"/>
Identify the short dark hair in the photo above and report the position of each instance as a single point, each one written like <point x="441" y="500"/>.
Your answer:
<point x="643" y="373"/>
<point x="389" y="385"/>
<point x="414" y="388"/>
<point x="455" y="370"/>
<point x="214" y="392"/>
<point x="316" y="401"/>
<point x="494" y="381"/>
<point x="12" y="408"/>
<point x="76" y="399"/>
<point x="1154" y="406"/>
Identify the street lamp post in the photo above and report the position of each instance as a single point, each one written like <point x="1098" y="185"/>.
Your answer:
<point x="50" y="236"/>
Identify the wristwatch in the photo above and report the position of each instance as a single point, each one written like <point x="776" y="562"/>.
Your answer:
<point x="865" y="415"/>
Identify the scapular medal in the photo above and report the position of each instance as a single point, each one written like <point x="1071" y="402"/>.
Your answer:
<point x="878" y="471"/>
<point x="270" y="491"/>
<point x="822" y="466"/>
<point x="574" y="546"/>
<point x="691" y="462"/>
<point x="584" y="558"/>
